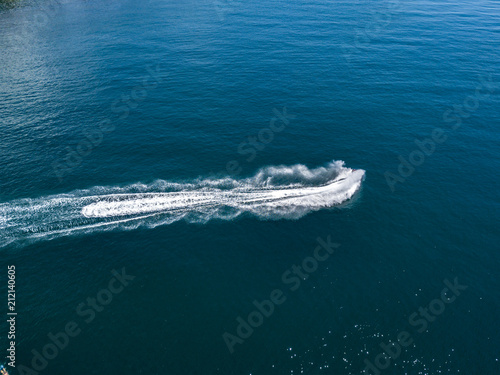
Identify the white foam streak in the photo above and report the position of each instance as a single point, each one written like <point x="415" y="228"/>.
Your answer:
<point x="273" y="193"/>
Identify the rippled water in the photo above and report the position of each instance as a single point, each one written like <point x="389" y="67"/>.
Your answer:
<point x="227" y="114"/>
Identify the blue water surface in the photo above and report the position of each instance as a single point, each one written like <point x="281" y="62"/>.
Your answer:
<point x="115" y="93"/>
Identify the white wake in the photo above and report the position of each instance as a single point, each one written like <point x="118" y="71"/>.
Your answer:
<point x="281" y="192"/>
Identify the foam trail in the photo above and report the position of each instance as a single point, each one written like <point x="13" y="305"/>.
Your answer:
<point x="273" y="193"/>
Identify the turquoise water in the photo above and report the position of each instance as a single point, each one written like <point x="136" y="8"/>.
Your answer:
<point x="160" y="137"/>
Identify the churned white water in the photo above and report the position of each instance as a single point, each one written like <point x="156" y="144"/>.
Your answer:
<point x="275" y="192"/>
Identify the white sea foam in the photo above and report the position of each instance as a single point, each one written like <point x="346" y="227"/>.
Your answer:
<point x="276" y="192"/>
